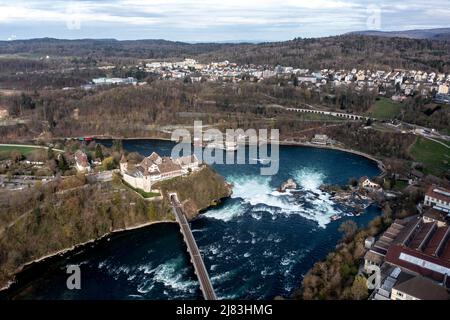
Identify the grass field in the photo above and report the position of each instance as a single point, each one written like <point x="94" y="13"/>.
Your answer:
<point x="434" y="156"/>
<point x="385" y="109"/>
<point x="23" y="150"/>
<point x="400" y="185"/>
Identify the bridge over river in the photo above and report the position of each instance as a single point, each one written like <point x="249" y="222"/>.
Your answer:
<point x="194" y="252"/>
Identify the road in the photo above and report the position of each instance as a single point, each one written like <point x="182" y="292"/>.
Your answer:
<point x="196" y="258"/>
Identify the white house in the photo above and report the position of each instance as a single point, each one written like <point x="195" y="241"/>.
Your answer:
<point x="320" y="139"/>
<point x="366" y="183"/>
<point x="81" y="162"/>
<point x="3" y="113"/>
<point x="438" y="198"/>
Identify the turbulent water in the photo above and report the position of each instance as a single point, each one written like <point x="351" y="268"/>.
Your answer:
<point x="258" y="244"/>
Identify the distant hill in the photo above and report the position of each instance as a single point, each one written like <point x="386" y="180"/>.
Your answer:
<point x="429" y="34"/>
<point x="344" y="52"/>
<point x="100" y="48"/>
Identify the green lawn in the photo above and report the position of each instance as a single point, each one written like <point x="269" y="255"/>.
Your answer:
<point x="385" y="109"/>
<point x="400" y="185"/>
<point x="434" y="156"/>
<point x="23" y="150"/>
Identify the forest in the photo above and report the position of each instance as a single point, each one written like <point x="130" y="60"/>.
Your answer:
<point x="343" y="52"/>
<point x="146" y="110"/>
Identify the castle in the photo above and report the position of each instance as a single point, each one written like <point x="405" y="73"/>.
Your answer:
<point x="155" y="168"/>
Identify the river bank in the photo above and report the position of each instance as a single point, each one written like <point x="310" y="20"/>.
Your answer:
<point x="281" y="142"/>
<point x="356" y="152"/>
<point x="80" y="246"/>
<point x="33" y="269"/>
<point x="101" y="209"/>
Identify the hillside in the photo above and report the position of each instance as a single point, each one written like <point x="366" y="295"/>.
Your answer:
<point x="101" y="48"/>
<point x="430" y="34"/>
<point x="343" y="52"/>
<point x="54" y="218"/>
<point x="346" y="51"/>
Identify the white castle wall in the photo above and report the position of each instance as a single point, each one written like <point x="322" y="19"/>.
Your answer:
<point x="143" y="183"/>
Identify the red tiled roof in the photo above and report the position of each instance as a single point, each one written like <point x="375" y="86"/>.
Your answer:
<point x="393" y="257"/>
<point x="420" y="235"/>
<point x="433" y="194"/>
<point x="435" y="214"/>
<point x="446" y="252"/>
<point x="167" y="165"/>
<point x="435" y="241"/>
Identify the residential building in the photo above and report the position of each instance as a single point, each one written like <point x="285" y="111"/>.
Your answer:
<point x="110" y="81"/>
<point x="443" y="89"/>
<point x="369" y="242"/>
<point x="3" y="113"/>
<point x="367" y="184"/>
<point x="320" y="139"/>
<point x="418" y="288"/>
<point x="307" y="79"/>
<point x="438" y="198"/>
<point x="397" y="284"/>
<point x="432" y="215"/>
<point x="82" y="162"/>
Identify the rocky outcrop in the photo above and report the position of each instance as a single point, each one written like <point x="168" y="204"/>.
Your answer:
<point x="289" y="184"/>
<point x="197" y="191"/>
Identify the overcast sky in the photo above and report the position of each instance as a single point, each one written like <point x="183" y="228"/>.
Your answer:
<point x="214" y="20"/>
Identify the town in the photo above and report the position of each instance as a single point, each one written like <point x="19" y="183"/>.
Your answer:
<point x="396" y="83"/>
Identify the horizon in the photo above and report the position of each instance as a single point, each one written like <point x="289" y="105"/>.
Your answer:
<point x="223" y="41"/>
<point x="198" y="21"/>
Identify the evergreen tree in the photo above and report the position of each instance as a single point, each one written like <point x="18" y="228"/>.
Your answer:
<point x="62" y="163"/>
<point x="117" y="145"/>
<point x="99" y="152"/>
<point x="50" y="153"/>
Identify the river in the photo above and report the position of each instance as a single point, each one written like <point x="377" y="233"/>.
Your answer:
<point x="256" y="245"/>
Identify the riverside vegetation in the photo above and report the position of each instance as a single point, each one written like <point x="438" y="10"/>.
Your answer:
<point x="336" y="277"/>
